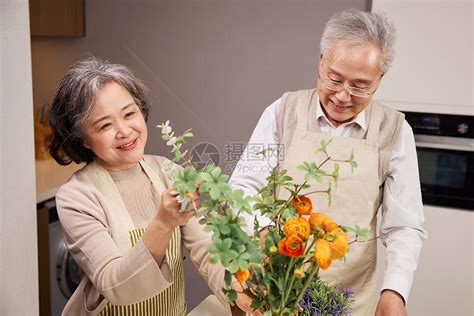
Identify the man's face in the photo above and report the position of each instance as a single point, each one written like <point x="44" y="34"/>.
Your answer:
<point x="349" y="65"/>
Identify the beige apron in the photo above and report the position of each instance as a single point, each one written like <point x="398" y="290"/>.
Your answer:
<point x="355" y="198"/>
<point x="126" y="235"/>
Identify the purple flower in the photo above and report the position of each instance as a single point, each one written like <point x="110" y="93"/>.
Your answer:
<point x="325" y="300"/>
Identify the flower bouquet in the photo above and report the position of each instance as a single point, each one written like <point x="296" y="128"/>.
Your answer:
<point x="278" y="264"/>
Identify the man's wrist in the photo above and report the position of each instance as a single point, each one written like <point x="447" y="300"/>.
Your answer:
<point x="393" y="293"/>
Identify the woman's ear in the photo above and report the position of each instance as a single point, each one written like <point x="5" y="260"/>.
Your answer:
<point x="85" y="143"/>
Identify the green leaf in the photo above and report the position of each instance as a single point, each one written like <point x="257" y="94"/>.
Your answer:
<point x="226" y="244"/>
<point x="233" y="266"/>
<point x="256" y="304"/>
<point x="232" y="295"/>
<point x="214" y="259"/>
<point x="225" y="230"/>
<point x="324" y="145"/>
<point x="228" y="278"/>
<point x="311" y="171"/>
<point x="348" y="229"/>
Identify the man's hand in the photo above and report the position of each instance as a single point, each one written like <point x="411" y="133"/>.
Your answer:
<point x="243" y="302"/>
<point x="390" y="304"/>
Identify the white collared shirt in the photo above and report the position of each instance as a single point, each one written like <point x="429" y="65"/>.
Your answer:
<point x="401" y="228"/>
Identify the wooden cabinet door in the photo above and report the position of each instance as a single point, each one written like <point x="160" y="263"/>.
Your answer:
<point x="57" y="18"/>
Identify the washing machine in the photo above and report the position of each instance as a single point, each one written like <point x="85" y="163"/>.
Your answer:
<point x="63" y="271"/>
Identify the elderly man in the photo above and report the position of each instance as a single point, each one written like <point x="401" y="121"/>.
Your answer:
<point x="356" y="51"/>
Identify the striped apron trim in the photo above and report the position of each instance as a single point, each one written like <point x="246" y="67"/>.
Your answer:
<point x="169" y="302"/>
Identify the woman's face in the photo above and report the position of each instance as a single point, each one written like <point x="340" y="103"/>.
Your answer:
<point x="115" y="131"/>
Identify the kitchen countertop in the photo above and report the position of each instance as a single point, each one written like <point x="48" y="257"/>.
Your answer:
<point x="50" y="176"/>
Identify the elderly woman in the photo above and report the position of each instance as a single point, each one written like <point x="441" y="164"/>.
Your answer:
<point x="121" y="220"/>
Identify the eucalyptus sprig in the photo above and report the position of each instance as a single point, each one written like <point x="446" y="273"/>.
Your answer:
<point x="271" y="275"/>
<point x="231" y="245"/>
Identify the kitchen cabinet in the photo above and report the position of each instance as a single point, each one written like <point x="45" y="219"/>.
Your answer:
<point x="62" y="18"/>
<point x="433" y="66"/>
<point x="442" y="283"/>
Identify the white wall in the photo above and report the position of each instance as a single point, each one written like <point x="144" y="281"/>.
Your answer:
<point x="433" y="69"/>
<point x="18" y="252"/>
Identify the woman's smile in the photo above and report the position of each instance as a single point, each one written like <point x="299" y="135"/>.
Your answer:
<point x="129" y="146"/>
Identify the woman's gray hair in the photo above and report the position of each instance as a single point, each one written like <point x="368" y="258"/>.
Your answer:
<point x="74" y="100"/>
<point x="359" y="27"/>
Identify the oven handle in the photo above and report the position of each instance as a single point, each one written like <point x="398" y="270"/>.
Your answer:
<point x="447" y="143"/>
<point x="443" y="146"/>
<point x="444" y="142"/>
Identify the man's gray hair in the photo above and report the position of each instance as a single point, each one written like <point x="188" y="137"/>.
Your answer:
<point x="359" y="27"/>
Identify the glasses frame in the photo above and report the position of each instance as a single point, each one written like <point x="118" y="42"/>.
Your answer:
<point x="349" y="89"/>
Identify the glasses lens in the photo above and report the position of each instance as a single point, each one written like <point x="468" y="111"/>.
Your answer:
<point x="335" y="86"/>
<point x="331" y="85"/>
<point x="359" y="92"/>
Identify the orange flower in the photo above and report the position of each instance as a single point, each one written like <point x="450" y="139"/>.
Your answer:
<point x="302" y="205"/>
<point x="339" y="245"/>
<point x="323" y="253"/>
<point x="291" y="246"/>
<point x="322" y="221"/>
<point x="242" y="275"/>
<point x="332" y="246"/>
<point x="298" y="225"/>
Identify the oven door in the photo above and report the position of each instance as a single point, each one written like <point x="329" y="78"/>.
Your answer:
<point x="446" y="166"/>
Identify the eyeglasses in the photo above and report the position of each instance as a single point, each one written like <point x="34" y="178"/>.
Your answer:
<point x="336" y="86"/>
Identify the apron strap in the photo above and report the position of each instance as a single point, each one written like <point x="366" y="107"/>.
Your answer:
<point x="305" y="99"/>
<point x="376" y="115"/>
<point x="157" y="180"/>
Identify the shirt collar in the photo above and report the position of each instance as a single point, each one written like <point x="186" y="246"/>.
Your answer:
<point x="359" y="119"/>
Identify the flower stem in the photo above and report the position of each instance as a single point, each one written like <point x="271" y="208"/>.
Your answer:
<point x="287" y="289"/>
<point x="306" y="284"/>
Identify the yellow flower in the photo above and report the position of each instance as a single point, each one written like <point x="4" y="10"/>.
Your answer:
<point x="322" y="221"/>
<point x="299" y="274"/>
<point x="242" y="275"/>
<point x="332" y="246"/>
<point x="339" y="245"/>
<point x="298" y="225"/>
<point x="323" y="253"/>
<point x="273" y="249"/>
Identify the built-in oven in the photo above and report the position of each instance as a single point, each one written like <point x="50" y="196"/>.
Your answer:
<point x="445" y="148"/>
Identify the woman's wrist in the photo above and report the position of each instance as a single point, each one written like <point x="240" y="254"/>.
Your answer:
<point x="160" y="226"/>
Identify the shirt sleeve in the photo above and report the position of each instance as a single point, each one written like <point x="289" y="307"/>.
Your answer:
<point x="122" y="279"/>
<point x="401" y="228"/>
<point x="251" y="171"/>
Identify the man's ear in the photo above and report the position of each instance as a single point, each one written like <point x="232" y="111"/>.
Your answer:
<point x="320" y="62"/>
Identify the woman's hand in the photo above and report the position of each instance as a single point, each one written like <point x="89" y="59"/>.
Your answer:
<point x="159" y="231"/>
<point x="243" y="302"/>
<point x="169" y="214"/>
